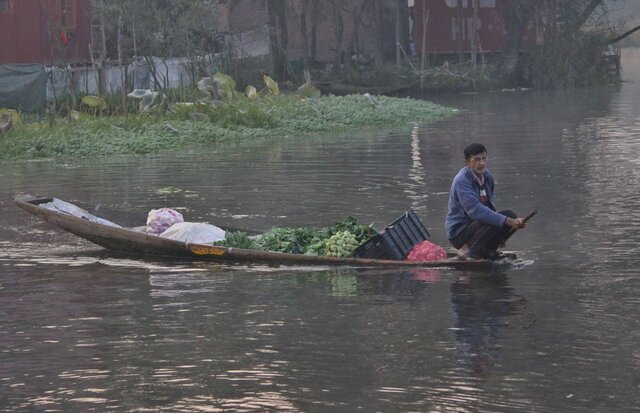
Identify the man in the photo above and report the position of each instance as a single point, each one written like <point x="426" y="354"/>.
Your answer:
<point x="473" y="226"/>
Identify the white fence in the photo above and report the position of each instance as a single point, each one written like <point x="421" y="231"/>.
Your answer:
<point x="170" y="73"/>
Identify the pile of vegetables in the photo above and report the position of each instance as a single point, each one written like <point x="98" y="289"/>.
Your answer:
<point x="339" y="240"/>
<point x="341" y="244"/>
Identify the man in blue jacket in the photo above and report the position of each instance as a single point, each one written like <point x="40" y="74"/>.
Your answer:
<point x="473" y="226"/>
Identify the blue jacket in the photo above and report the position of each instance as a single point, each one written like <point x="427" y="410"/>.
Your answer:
<point x="465" y="205"/>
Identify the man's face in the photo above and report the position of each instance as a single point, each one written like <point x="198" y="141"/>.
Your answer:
<point x="477" y="163"/>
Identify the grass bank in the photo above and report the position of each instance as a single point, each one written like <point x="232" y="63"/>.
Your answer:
<point x="193" y="126"/>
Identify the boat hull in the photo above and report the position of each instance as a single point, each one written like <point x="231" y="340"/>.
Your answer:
<point x="135" y="242"/>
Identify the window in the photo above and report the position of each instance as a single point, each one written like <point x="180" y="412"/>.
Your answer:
<point x="4" y="6"/>
<point x="68" y="14"/>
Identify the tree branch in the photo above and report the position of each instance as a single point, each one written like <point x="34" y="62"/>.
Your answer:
<point x="623" y="35"/>
<point x="584" y="16"/>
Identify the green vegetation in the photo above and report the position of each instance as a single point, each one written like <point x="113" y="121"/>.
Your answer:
<point x="573" y="62"/>
<point x="339" y="240"/>
<point x="341" y="244"/>
<point x="191" y="125"/>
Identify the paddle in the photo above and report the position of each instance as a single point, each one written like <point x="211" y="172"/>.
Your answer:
<point x="525" y="219"/>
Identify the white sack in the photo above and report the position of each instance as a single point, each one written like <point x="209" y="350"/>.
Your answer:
<point x="194" y="232"/>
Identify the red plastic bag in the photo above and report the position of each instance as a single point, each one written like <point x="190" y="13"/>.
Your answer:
<point x="426" y="251"/>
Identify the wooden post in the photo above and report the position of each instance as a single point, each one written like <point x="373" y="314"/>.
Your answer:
<point x="377" y="18"/>
<point x="103" y="55"/>
<point x="398" y="40"/>
<point x="474" y="34"/>
<point x="123" y="84"/>
<point x="460" y="30"/>
<point x="423" y="46"/>
<point x="94" y="70"/>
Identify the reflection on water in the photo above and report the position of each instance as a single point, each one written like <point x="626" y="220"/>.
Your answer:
<point x="83" y="329"/>
<point x="482" y="306"/>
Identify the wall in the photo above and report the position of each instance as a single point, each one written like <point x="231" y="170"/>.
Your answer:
<point x="30" y="33"/>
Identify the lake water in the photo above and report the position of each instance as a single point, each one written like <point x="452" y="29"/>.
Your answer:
<point x="82" y="329"/>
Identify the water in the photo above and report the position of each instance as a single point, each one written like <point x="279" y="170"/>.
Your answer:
<point x="84" y="330"/>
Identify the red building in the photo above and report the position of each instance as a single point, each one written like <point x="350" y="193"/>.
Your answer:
<point x="446" y="26"/>
<point x="45" y="32"/>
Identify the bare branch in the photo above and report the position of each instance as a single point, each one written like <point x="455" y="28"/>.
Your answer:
<point x="623" y="35"/>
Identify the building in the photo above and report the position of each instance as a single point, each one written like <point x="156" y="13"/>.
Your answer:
<point x="46" y="32"/>
<point x="447" y="27"/>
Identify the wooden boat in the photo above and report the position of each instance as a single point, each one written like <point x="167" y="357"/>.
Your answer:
<point x="109" y="235"/>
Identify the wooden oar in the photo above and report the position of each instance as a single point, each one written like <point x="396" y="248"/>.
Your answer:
<point x="529" y="215"/>
<point x="525" y="219"/>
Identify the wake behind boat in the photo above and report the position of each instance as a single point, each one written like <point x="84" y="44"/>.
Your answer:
<point x="133" y="240"/>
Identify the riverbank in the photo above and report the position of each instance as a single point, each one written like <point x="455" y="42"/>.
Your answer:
<point x="283" y="115"/>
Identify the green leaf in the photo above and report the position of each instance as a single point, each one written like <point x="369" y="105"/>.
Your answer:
<point x="218" y="86"/>
<point x="13" y="114"/>
<point x="94" y="102"/>
<point x="237" y="239"/>
<point x="227" y="85"/>
<point x="272" y="85"/>
<point x="75" y="115"/>
<point x="251" y="92"/>
<point x="309" y="91"/>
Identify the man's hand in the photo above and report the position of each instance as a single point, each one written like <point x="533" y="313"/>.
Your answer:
<point x="516" y="223"/>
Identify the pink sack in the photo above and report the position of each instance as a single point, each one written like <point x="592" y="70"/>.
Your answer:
<point x="159" y="220"/>
<point x="426" y="251"/>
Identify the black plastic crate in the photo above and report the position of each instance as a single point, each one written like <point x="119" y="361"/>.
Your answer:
<point x="375" y="247"/>
<point x="397" y="239"/>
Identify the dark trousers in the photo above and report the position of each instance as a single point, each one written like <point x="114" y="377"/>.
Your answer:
<point x="483" y="239"/>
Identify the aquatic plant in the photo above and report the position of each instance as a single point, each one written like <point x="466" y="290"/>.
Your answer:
<point x="191" y="125"/>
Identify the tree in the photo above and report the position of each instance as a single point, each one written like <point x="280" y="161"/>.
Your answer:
<point x="567" y="44"/>
<point x="176" y="28"/>
<point x="351" y="47"/>
<point x="339" y="30"/>
<point x="515" y="14"/>
<point x="315" y="15"/>
<point x="624" y="35"/>
<point x="304" y="32"/>
<point x="377" y="19"/>
<point x="278" y="37"/>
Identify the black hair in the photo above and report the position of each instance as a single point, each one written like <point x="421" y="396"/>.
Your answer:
<point x="474" y="149"/>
